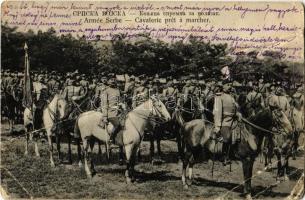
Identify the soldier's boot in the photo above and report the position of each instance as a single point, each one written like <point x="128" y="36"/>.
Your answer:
<point x="226" y="153"/>
<point x="114" y="134"/>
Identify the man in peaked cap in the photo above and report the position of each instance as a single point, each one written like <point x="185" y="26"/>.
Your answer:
<point x="140" y="93"/>
<point x="225" y="112"/>
<point x="110" y="100"/>
<point x="255" y="98"/>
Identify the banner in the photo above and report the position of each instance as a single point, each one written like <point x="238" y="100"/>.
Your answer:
<point x="27" y="90"/>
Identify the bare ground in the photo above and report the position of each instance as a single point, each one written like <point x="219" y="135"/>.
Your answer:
<point x="29" y="176"/>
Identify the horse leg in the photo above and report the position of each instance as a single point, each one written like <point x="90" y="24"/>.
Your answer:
<point x="185" y="163"/>
<point x="132" y="163"/>
<point x="99" y="151"/>
<point x="69" y="150"/>
<point x="158" y="137"/>
<point x="86" y="157"/>
<point x="128" y="154"/>
<point x="247" y="165"/>
<point x="58" y="147"/>
<point x="139" y="155"/>
<point x="152" y="148"/>
<point x="121" y="155"/>
<point x="191" y="164"/>
<point x="279" y="164"/>
<point x="179" y="145"/>
<point x="36" y="148"/>
<point x="26" y="152"/>
<point x="51" y="150"/>
<point x="91" y="144"/>
<point x="79" y="153"/>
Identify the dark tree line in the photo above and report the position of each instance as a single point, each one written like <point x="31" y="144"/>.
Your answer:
<point x="142" y="55"/>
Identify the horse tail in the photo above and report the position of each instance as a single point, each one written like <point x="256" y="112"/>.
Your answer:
<point x="76" y="129"/>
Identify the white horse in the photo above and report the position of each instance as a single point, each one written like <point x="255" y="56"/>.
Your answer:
<point x="133" y="133"/>
<point x="54" y="113"/>
<point x="297" y="121"/>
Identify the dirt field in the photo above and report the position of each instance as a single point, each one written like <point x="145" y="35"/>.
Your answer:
<point x="29" y="176"/>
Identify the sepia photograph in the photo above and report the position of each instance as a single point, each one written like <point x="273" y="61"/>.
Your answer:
<point x="152" y="100"/>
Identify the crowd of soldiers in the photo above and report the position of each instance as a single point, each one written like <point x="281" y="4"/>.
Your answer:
<point x="107" y="91"/>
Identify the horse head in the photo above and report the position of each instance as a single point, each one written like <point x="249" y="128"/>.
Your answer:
<point x="63" y="108"/>
<point x="281" y="120"/>
<point x="159" y="109"/>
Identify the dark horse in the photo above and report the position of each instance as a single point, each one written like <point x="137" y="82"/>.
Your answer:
<point x="197" y="137"/>
<point x="11" y="106"/>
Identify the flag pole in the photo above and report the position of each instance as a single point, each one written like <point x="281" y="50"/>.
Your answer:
<point x="28" y="99"/>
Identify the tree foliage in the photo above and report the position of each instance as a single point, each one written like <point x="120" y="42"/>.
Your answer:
<point x="142" y="55"/>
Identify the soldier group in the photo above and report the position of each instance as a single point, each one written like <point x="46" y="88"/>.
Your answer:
<point x="191" y="94"/>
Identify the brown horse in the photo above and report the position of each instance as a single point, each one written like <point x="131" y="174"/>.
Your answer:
<point x="197" y="137"/>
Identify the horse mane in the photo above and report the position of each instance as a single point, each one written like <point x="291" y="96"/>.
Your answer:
<point x="262" y="118"/>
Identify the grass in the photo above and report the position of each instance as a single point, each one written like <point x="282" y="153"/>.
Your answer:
<point x="153" y="181"/>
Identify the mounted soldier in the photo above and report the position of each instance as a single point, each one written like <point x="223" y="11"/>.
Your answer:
<point x="255" y="99"/>
<point x="129" y="90"/>
<point x="225" y="115"/>
<point x="140" y="93"/>
<point x="40" y="101"/>
<point x="74" y="93"/>
<point x="110" y="107"/>
<point x="100" y="87"/>
<point x="170" y="96"/>
<point x="83" y="82"/>
<point x="53" y="85"/>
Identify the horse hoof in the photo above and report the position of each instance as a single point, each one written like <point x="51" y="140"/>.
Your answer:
<point x="38" y="155"/>
<point x="286" y="178"/>
<point x="89" y="176"/>
<point x="185" y="186"/>
<point x="52" y="165"/>
<point x="26" y="153"/>
<point x="248" y="197"/>
<point x="80" y="164"/>
<point x="121" y="162"/>
<point x="128" y="180"/>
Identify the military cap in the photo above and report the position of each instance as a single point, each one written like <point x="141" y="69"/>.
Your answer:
<point x="111" y="82"/>
<point x="227" y="87"/>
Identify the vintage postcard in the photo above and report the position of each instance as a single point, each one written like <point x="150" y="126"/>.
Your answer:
<point x="152" y="100"/>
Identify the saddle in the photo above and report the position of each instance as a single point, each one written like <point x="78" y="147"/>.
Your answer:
<point x="239" y="132"/>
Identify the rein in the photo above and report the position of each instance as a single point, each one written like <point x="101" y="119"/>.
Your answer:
<point x="258" y="127"/>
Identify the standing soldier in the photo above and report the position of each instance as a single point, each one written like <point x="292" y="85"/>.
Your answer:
<point x="110" y="99"/>
<point x="225" y="112"/>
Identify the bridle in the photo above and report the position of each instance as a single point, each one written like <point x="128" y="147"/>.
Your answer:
<point x="158" y="119"/>
<point x="278" y="125"/>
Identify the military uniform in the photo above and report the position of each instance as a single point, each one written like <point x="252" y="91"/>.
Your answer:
<point x="298" y="99"/>
<point x="140" y="94"/>
<point x="84" y="83"/>
<point x="37" y="88"/>
<point x="225" y="111"/>
<point x="279" y="100"/>
<point x="110" y="100"/>
<point x="53" y="86"/>
<point x="255" y="98"/>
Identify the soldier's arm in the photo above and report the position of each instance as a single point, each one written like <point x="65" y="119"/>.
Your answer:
<point x="104" y="103"/>
<point x="217" y="111"/>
